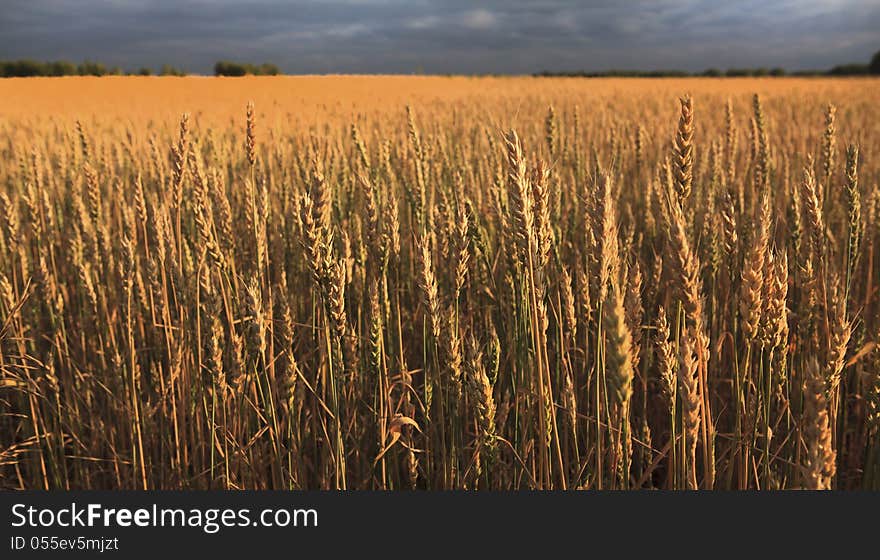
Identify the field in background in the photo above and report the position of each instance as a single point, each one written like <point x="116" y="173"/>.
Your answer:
<point x="426" y="282"/>
<point x="337" y="100"/>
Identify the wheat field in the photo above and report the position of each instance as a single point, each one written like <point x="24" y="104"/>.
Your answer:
<point x="439" y="283"/>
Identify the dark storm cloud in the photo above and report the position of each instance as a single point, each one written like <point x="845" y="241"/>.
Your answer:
<point x="445" y="36"/>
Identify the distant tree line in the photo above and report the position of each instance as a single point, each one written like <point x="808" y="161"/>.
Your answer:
<point x="710" y="72"/>
<point x="842" y="70"/>
<point x="29" y="68"/>
<point x="227" y="68"/>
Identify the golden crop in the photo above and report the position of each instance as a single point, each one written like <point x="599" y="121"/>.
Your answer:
<point x="426" y="282"/>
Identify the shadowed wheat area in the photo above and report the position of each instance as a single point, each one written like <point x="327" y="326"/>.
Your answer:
<point x="438" y="283"/>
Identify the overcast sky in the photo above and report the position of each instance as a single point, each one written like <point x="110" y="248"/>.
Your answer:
<point x="448" y="36"/>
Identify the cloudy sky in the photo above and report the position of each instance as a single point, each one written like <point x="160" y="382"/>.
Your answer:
<point x="445" y="36"/>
